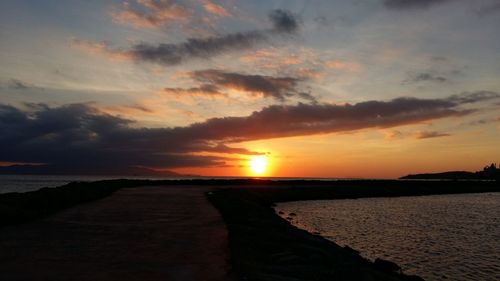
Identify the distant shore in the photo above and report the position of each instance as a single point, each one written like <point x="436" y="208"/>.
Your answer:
<point x="263" y="246"/>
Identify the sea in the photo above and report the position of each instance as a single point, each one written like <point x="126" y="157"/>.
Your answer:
<point x="438" y="237"/>
<point x="25" y="183"/>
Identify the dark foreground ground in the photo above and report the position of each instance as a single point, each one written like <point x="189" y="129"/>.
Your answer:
<point x="143" y="233"/>
<point x="167" y="230"/>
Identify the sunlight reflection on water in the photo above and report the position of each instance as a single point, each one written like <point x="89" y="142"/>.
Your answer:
<point x="454" y="237"/>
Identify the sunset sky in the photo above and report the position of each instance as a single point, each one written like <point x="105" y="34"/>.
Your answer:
<point x="362" y="88"/>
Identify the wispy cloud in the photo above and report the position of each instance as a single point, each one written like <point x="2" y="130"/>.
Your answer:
<point x="16" y="84"/>
<point x="151" y="13"/>
<point x="431" y="134"/>
<point x="100" y="48"/>
<point x="424" y="77"/>
<point x="215" y="9"/>
<point x="343" y="65"/>
<point x="205" y="90"/>
<point x="203" y="48"/>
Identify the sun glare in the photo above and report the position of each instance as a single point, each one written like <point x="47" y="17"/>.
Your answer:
<point x="258" y="164"/>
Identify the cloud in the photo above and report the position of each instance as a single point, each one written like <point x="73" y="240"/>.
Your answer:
<point x="431" y="134"/>
<point x="394" y="134"/>
<point x="216" y="84"/>
<point x="411" y="4"/>
<point x="84" y="137"/>
<point x="473" y="97"/>
<point x="16" y="84"/>
<point x="215" y="9"/>
<point x="424" y="77"/>
<point x="273" y="58"/>
<point x="151" y="13"/>
<point x="205" y="90"/>
<point x="205" y="48"/>
<point x="278" y="88"/>
<point x="100" y="48"/>
<point x="284" y="21"/>
<point x="343" y="65"/>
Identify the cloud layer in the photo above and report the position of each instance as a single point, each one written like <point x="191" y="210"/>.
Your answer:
<point x="283" y="23"/>
<point x="203" y="48"/>
<point x="85" y="138"/>
<point x="216" y="83"/>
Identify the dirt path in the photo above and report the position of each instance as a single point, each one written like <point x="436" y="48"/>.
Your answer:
<point x="148" y="233"/>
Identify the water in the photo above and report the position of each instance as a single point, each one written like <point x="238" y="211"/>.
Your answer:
<point x="25" y="183"/>
<point x="441" y="237"/>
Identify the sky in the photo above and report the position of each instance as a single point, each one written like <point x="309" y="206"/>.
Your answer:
<point x="345" y="89"/>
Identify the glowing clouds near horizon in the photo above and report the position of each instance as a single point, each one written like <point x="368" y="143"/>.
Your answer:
<point x="258" y="165"/>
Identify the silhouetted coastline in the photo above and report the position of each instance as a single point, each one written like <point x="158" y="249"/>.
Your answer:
<point x="490" y="172"/>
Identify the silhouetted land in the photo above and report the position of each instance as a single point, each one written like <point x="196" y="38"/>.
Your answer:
<point x="490" y="172"/>
<point x="263" y="246"/>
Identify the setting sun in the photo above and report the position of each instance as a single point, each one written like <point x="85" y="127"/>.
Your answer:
<point x="258" y="164"/>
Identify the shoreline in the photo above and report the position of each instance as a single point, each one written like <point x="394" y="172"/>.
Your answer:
<point x="262" y="245"/>
<point x="265" y="246"/>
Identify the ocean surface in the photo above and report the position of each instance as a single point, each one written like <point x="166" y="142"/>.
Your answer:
<point x="439" y="237"/>
<point x="25" y="183"/>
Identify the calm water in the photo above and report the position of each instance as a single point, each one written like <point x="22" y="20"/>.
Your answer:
<point x="442" y="237"/>
<point x="25" y="183"/>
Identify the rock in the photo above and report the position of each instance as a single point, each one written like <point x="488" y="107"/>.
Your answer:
<point x="385" y="265"/>
<point x="413" y="278"/>
<point x="351" y="250"/>
<point x="292" y="214"/>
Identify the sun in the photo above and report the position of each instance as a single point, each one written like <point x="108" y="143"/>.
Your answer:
<point x="258" y="164"/>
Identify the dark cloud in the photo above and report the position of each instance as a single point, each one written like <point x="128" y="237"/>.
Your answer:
<point x="83" y="137"/>
<point x="308" y="96"/>
<point x="207" y="90"/>
<point x="425" y="77"/>
<point x="472" y="97"/>
<point x="431" y="134"/>
<point x="306" y="119"/>
<point x="215" y="82"/>
<point x="16" y="84"/>
<point x="284" y="21"/>
<point x="279" y="88"/>
<point x="203" y="48"/>
<point x="411" y="4"/>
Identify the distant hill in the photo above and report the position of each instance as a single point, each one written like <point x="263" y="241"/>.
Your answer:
<point x="490" y="172"/>
<point x="95" y="171"/>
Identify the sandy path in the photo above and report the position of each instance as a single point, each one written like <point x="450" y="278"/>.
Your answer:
<point x="147" y="233"/>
